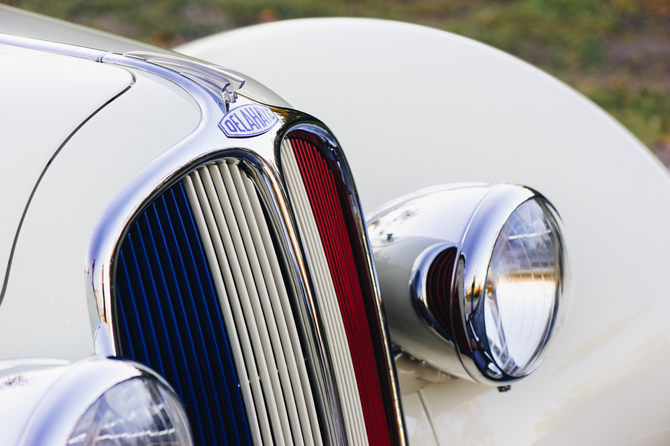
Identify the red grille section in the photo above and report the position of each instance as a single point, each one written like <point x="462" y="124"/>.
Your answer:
<point x="438" y="294"/>
<point x="438" y="286"/>
<point x="334" y="218"/>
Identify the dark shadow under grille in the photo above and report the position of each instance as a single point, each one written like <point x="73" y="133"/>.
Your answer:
<point x="168" y="317"/>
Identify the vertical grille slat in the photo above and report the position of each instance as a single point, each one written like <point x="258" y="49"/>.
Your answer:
<point x="307" y="223"/>
<point x="324" y="288"/>
<point x="263" y="311"/>
<point x="161" y="300"/>
<point x="187" y="391"/>
<point x="141" y="307"/>
<point x="347" y="281"/>
<point x="136" y="330"/>
<point x="145" y="269"/>
<point x="124" y="332"/>
<point x="332" y="227"/>
<point x="282" y="308"/>
<point x="228" y="229"/>
<point x="233" y="215"/>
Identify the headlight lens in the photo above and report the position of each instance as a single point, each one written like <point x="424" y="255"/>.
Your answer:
<point x="523" y="285"/>
<point x="139" y="411"/>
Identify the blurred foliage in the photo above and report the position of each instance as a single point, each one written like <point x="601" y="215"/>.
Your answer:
<point x="645" y="113"/>
<point x="616" y="52"/>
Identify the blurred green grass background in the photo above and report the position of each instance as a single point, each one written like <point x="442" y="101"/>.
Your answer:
<point x="616" y="52"/>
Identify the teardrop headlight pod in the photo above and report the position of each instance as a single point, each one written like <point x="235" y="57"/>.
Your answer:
<point x="473" y="277"/>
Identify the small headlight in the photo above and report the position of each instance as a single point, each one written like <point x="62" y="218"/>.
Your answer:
<point x="108" y="402"/>
<point x="473" y="278"/>
<point x="139" y="411"/>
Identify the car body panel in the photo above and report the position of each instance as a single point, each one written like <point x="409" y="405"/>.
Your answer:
<point x="23" y="384"/>
<point x="45" y="311"/>
<point x="415" y="107"/>
<point x="45" y="97"/>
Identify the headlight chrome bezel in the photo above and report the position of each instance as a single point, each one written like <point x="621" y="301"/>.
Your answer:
<point x="71" y="396"/>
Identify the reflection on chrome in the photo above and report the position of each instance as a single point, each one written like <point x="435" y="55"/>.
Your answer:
<point x="521" y="288"/>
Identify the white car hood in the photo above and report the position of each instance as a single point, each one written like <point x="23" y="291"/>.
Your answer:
<point x="45" y="98"/>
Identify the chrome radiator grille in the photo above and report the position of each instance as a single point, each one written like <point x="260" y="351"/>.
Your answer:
<point x="236" y="270"/>
<point x="244" y="278"/>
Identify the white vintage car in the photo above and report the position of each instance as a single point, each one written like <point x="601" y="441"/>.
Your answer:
<point x="184" y="256"/>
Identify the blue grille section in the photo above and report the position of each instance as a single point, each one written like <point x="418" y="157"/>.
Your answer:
<point x="168" y="317"/>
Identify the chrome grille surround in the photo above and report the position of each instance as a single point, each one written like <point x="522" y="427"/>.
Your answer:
<point x="204" y="148"/>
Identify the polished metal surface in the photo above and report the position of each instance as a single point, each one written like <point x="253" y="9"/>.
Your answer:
<point x="410" y="232"/>
<point x="102" y="340"/>
<point x="73" y="393"/>
<point x="211" y="77"/>
<point x="52" y="47"/>
<point x="23" y="384"/>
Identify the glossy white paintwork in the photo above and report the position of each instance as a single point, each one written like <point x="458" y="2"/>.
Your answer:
<point x="23" y="383"/>
<point x="415" y="107"/>
<point x="45" y="311"/>
<point x="43" y="99"/>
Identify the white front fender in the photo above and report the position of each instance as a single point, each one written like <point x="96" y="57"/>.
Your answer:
<point x="415" y="107"/>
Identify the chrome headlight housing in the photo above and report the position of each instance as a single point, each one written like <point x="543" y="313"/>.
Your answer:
<point x="111" y="402"/>
<point x="473" y="277"/>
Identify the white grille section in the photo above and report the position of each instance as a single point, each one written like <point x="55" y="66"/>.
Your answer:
<point x="256" y="308"/>
<point x="325" y="291"/>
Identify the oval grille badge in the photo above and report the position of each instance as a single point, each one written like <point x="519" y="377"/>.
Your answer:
<point x="248" y="120"/>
